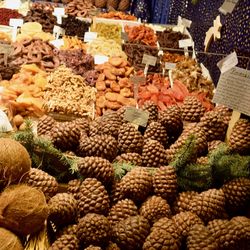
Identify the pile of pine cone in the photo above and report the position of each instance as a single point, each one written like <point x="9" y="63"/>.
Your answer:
<point x="133" y="194"/>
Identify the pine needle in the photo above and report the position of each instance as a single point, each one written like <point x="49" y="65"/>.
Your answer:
<point x="122" y="168"/>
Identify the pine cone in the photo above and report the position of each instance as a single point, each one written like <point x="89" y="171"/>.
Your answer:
<point x="133" y="158"/>
<point x="62" y="209"/>
<point x="91" y="247"/>
<point x="74" y="188"/>
<point x="153" y="154"/>
<point x="122" y="210"/>
<point x="237" y="194"/>
<point x="152" y="109"/>
<point x="45" y="124"/>
<point x="100" y="3"/>
<point x="185" y="221"/>
<point x="214" y="145"/>
<point x="131" y="233"/>
<point x="42" y="181"/>
<point x="112" y="4"/>
<point x="104" y="146"/>
<point x="155" y="208"/>
<point x="156" y="131"/>
<point x="130" y="140"/>
<point x="171" y="119"/>
<point x="66" y="241"/>
<point x="214" y="126"/>
<point x="165" y="182"/>
<point x="93" y="197"/>
<point x="83" y="125"/>
<point x="123" y="5"/>
<point x="239" y="140"/>
<point x="199" y="237"/>
<point x="93" y="229"/>
<point x="209" y="205"/>
<point x="136" y="184"/>
<point x="192" y="109"/>
<point x="96" y="167"/>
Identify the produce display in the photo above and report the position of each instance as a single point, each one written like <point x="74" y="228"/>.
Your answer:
<point x="35" y="51"/>
<point x="42" y="16"/>
<point x="23" y="93"/>
<point x="114" y="88"/>
<point x="7" y="14"/>
<point x="74" y="26"/>
<point x="109" y="151"/>
<point x="108" y="31"/>
<point x="67" y="93"/>
<point x="77" y="60"/>
<point x="117" y="15"/>
<point x="106" y="47"/>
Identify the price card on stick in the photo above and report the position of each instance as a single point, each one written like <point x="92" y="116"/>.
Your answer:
<point x="15" y="23"/>
<point x="228" y="62"/>
<point x="59" y="13"/>
<point x="233" y="91"/>
<point x="5" y="125"/>
<point x="228" y="6"/>
<point x="6" y="50"/>
<point x="148" y="60"/>
<point x="185" y="43"/>
<point x="58" y="31"/>
<point x="90" y="36"/>
<point x="136" y="116"/>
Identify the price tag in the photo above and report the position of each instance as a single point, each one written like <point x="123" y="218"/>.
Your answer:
<point x="169" y="65"/>
<point x="99" y="59"/>
<point x="6" y="49"/>
<point x="5" y="125"/>
<point x="233" y="90"/>
<point x="57" y="31"/>
<point x="90" y="36"/>
<point x="57" y="43"/>
<point x="205" y="72"/>
<point x="149" y="60"/>
<point x="59" y="12"/>
<point x="228" y="62"/>
<point x="136" y="116"/>
<point x="12" y="4"/>
<point x="124" y="36"/>
<point x="228" y="6"/>
<point x="15" y="22"/>
<point x="186" y="43"/>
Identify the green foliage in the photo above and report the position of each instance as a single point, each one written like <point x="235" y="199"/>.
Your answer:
<point x="195" y="2"/>
<point x="122" y="168"/>
<point x="227" y="166"/>
<point x="186" y="154"/>
<point x="195" y="177"/>
<point x="44" y="155"/>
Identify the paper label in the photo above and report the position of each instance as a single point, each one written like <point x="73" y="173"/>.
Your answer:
<point x="57" y="43"/>
<point x="12" y="4"/>
<point x="149" y="60"/>
<point x="89" y="36"/>
<point x="228" y="62"/>
<point x="124" y="36"/>
<point x="59" y="12"/>
<point x="169" y="65"/>
<point x="14" y="22"/>
<point x="233" y="90"/>
<point x="57" y="31"/>
<point x="228" y="6"/>
<point x="5" y="125"/>
<point x="99" y="59"/>
<point x="136" y="116"/>
<point x="186" y="43"/>
<point x="205" y="71"/>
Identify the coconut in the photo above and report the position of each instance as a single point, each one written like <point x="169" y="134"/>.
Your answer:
<point x="14" y="161"/>
<point x="23" y="209"/>
<point x="9" y="241"/>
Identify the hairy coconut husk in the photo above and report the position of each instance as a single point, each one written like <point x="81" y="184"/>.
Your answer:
<point x="9" y="241"/>
<point x="23" y="209"/>
<point x="14" y="161"/>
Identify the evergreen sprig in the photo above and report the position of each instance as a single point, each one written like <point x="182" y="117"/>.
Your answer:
<point x="186" y="154"/>
<point x="122" y="168"/>
<point x="43" y="153"/>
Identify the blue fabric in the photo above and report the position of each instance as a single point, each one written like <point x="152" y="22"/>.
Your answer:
<point x="160" y="11"/>
<point x="141" y="9"/>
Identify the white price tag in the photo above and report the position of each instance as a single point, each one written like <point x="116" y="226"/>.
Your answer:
<point x="205" y="72"/>
<point x="99" y="59"/>
<point x="149" y="60"/>
<point x="228" y="6"/>
<point x="59" y="11"/>
<point x="15" y="22"/>
<point x="57" y="31"/>
<point x="169" y="65"/>
<point x="186" y="43"/>
<point x="57" y="43"/>
<point x="12" y="4"/>
<point x="228" y="62"/>
<point x="90" y="36"/>
<point x="5" y="125"/>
